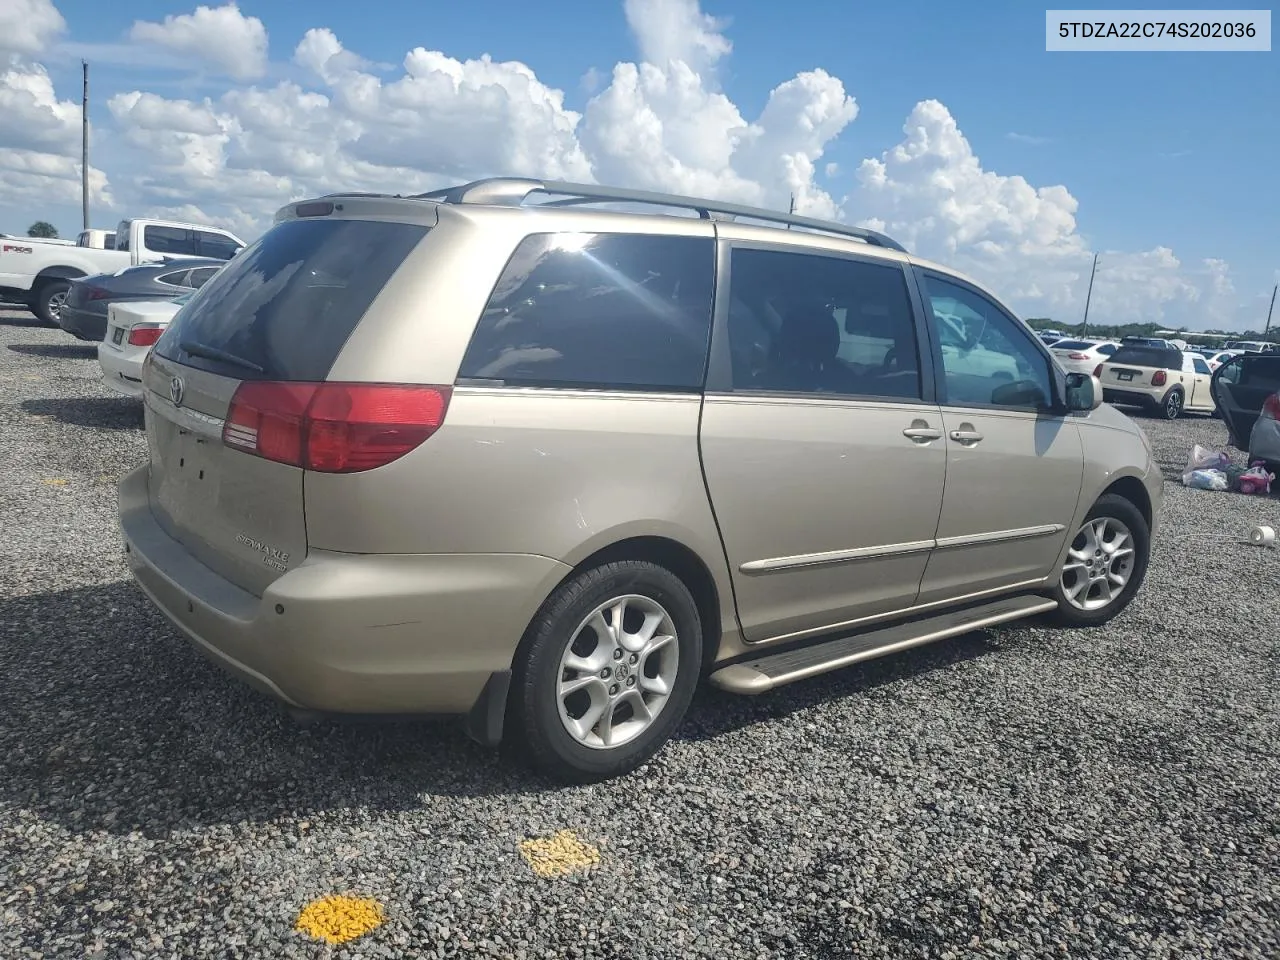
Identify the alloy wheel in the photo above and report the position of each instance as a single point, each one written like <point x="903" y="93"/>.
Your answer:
<point x="55" y="302"/>
<point x="617" y="671"/>
<point x="1100" y="563"/>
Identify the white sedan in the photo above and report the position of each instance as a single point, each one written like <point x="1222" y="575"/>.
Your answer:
<point x="132" y="330"/>
<point x="1215" y="360"/>
<point x="1082" y="356"/>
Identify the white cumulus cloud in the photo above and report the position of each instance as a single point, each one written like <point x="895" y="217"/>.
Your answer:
<point x="662" y="121"/>
<point x="671" y="31"/>
<point x="27" y="27"/>
<point x="221" y="37"/>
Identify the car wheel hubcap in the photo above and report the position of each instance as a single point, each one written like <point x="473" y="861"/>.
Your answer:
<point x="1099" y="564"/>
<point x="55" y="304"/>
<point x="617" y="671"/>
<point x="1174" y="404"/>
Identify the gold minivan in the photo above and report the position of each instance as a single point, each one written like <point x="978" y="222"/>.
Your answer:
<point x="547" y="455"/>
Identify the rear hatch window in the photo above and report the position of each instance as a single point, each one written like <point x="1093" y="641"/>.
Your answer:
<point x="284" y="307"/>
<point x="1072" y="345"/>
<point x="1147" y="357"/>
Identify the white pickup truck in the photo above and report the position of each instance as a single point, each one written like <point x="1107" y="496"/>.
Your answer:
<point x="39" y="274"/>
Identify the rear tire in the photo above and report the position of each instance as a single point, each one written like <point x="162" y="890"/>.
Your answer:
<point x="47" y="303"/>
<point x="587" y="704"/>
<point x="1172" y="405"/>
<point x="1095" y="563"/>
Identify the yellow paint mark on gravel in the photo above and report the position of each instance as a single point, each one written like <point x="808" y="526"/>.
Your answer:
<point x="559" y="855"/>
<point x="54" y="482"/>
<point x="339" y="919"/>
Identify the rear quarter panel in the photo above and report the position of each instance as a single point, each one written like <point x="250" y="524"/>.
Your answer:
<point x="559" y="474"/>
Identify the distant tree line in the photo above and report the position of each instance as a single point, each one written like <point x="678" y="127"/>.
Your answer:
<point x="1112" y="331"/>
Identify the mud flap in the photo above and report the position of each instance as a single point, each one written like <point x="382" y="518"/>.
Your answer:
<point x="485" y="720"/>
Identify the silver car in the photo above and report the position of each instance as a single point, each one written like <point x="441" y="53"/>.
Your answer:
<point x="508" y="452"/>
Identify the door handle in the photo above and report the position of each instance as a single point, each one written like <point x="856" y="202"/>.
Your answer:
<point x="922" y="434"/>
<point x="966" y="436"/>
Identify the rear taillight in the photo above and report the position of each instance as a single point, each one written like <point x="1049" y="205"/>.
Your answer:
<point x="144" y="336"/>
<point x="1077" y="356"/>
<point x="1271" y="407"/>
<point x="1158" y="378"/>
<point x="96" y="293"/>
<point x="333" y="427"/>
<point x="1097" y="371"/>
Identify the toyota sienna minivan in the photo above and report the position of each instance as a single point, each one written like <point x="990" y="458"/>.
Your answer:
<point x="548" y="455"/>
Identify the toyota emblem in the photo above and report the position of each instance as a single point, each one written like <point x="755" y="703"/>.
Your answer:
<point x="175" y="391"/>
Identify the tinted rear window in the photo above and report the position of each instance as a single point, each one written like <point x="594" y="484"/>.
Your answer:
<point x="1072" y="345"/>
<point x="289" y="302"/>
<point x="598" y="311"/>
<point x="1148" y="357"/>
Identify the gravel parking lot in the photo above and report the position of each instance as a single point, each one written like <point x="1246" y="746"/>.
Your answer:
<point x="1020" y="793"/>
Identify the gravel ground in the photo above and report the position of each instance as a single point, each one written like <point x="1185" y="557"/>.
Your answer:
<point x="1024" y="793"/>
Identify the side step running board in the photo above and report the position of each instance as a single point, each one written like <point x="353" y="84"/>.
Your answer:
<point x="772" y="670"/>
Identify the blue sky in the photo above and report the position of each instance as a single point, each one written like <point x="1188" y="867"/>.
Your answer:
<point x="1172" y="150"/>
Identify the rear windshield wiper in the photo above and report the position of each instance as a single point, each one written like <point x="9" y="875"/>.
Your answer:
<point x="213" y="353"/>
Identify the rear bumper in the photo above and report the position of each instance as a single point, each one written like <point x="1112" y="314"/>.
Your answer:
<point x="347" y="633"/>
<point x="121" y="372"/>
<point x="82" y="323"/>
<point x="1131" y="398"/>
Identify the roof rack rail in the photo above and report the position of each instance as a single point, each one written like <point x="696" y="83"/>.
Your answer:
<point x="514" y="191"/>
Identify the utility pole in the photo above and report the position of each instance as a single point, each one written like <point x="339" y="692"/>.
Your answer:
<point x="1269" y="309"/>
<point x="1089" y="296"/>
<point x="84" y="147"/>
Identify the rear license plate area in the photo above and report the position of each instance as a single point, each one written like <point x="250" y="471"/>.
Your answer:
<point x="1124" y="374"/>
<point x="117" y="335"/>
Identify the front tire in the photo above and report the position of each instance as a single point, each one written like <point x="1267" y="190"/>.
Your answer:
<point x="1106" y="564"/>
<point x="48" y="301"/>
<point x="605" y="671"/>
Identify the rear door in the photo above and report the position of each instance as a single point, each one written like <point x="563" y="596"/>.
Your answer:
<point x="280" y="312"/>
<point x="822" y="447"/>
<point x="1240" y="387"/>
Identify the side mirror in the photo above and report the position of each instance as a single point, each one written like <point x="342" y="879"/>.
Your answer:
<point x="1084" y="392"/>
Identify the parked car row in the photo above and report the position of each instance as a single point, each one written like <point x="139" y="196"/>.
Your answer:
<point x="124" y="311"/>
<point x="40" y="274"/>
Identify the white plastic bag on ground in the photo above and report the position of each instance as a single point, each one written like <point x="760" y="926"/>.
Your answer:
<point x="1202" y="458"/>
<point x="1205" y="480"/>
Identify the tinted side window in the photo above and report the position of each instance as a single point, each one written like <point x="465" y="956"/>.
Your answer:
<point x="288" y="303"/>
<point x="1201" y="366"/>
<point x="986" y="358"/>
<point x="804" y="323"/>
<point x="216" y="245"/>
<point x="200" y="276"/>
<point x="1107" y="349"/>
<point x="122" y="234"/>
<point x="600" y="311"/>
<point x="176" y="279"/>
<point x="169" y="240"/>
